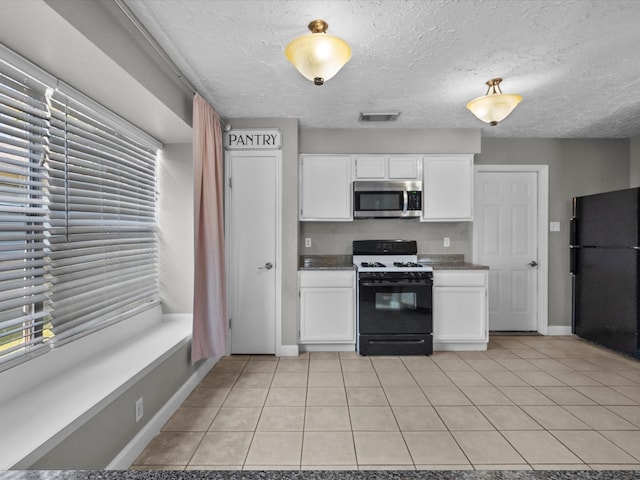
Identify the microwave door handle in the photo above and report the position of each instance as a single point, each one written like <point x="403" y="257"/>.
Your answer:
<point x="405" y="197"/>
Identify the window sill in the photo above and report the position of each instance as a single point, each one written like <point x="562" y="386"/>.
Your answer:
<point x="97" y="368"/>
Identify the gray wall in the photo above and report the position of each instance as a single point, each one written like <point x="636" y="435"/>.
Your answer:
<point x="634" y="170"/>
<point x="389" y="140"/>
<point x="175" y="205"/>
<point x="94" y="445"/>
<point x="576" y="167"/>
<point x="289" y="129"/>
<point x="110" y="62"/>
<point x="336" y="237"/>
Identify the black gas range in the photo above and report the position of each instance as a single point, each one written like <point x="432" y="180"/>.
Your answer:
<point x="395" y="313"/>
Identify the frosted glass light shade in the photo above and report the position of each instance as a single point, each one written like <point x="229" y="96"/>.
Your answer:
<point x="318" y="56"/>
<point x="495" y="106"/>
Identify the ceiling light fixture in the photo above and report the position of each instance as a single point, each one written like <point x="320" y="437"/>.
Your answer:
<point x="318" y="56"/>
<point x="494" y="106"/>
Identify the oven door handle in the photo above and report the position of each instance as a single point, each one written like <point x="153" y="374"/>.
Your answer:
<point x="397" y="284"/>
<point x="395" y="342"/>
<point x="405" y="197"/>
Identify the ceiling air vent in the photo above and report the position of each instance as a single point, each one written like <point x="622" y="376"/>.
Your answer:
<point x="378" y="116"/>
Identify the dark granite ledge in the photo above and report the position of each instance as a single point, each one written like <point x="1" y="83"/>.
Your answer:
<point x="325" y="262"/>
<point x="444" y="261"/>
<point x="319" y="475"/>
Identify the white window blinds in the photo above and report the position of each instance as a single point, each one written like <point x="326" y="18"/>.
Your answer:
<point x="24" y="287"/>
<point x="102" y="216"/>
<point x="78" y="239"/>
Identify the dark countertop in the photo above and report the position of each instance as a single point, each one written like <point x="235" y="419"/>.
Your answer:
<point x="325" y="262"/>
<point x="345" y="262"/>
<point x="319" y="475"/>
<point x="444" y="261"/>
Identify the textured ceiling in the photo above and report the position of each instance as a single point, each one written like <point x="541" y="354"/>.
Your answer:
<point x="576" y="63"/>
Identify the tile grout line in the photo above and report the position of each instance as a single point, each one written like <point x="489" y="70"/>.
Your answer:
<point x="304" y="415"/>
<point x="214" y="417"/>
<point x="253" y="433"/>
<point x="436" y="412"/>
<point x="537" y="388"/>
<point x="393" y="413"/>
<point x="353" y="437"/>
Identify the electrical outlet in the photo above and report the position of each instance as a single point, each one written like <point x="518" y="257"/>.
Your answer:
<point x="554" y="226"/>
<point x="307" y="242"/>
<point x="139" y="409"/>
<point x="447" y="242"/>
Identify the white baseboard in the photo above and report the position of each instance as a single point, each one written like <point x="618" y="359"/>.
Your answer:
<point x="328" y="347"/>
<point x="288" y="351"/>
<point x="134" y="448"/>
<point x="559" y="330"/>
<point x="460" y="347"/>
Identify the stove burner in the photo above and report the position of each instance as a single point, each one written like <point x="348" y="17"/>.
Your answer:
<point x="372" y="264"/>
<point x="407" y="264"/>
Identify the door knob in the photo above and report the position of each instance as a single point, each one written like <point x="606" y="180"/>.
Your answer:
<point x="267" y="266"/>
<point x="533" y="263"/>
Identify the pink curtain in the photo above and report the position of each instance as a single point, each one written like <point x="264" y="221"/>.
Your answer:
<point x="209" y="296"/>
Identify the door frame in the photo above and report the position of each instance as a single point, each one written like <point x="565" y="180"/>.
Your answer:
<point x="542" y="171"/>
<point x="228" y="174"/>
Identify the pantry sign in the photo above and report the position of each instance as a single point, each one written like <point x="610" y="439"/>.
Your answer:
<point x="253" y="139"/>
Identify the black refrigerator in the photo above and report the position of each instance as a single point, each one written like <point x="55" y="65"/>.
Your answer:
<point x="604" y="263"/>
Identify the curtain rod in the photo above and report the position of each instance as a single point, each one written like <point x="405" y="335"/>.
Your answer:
<point x="156" y="46"/>
<point x="226" y="126"/>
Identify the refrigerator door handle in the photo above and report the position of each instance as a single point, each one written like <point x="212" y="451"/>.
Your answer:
<point x="573" y="231"/>
<point x="573" y="259"/>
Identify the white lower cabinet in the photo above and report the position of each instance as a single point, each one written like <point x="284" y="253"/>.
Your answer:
<point x="460" y="310"/>
<point x="327" y="309"/>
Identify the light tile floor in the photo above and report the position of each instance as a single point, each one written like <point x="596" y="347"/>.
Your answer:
<point x="528" y="402"/>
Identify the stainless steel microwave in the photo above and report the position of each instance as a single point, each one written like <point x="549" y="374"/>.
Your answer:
<point x="392" y="199"/>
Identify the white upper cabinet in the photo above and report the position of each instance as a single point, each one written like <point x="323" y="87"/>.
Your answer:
<point x="407" y="167"/>
<point x="370" y="167"/>
<point x="326" y="183"/>
<point x="447" y="194"/>
<point x="325" y="188"/>
<point x="387" y="167"/>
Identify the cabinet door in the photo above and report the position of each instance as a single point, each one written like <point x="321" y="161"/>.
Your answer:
<point x="370" y="167"/>
<point x="325" y="188"/>
<point x="327" y="315"/>
<point x="447" y="188"/>
<point x="403" y="167"/>
<point x="459" y="314"/>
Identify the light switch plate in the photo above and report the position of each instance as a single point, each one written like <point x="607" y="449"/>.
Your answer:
<point x="554" y="226"/>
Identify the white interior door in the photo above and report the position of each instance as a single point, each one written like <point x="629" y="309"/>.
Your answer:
<point x="506" y="223"/>
<point x="252" y="219"/>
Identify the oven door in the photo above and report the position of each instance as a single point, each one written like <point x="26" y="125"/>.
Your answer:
<point x="395" y="306"/>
